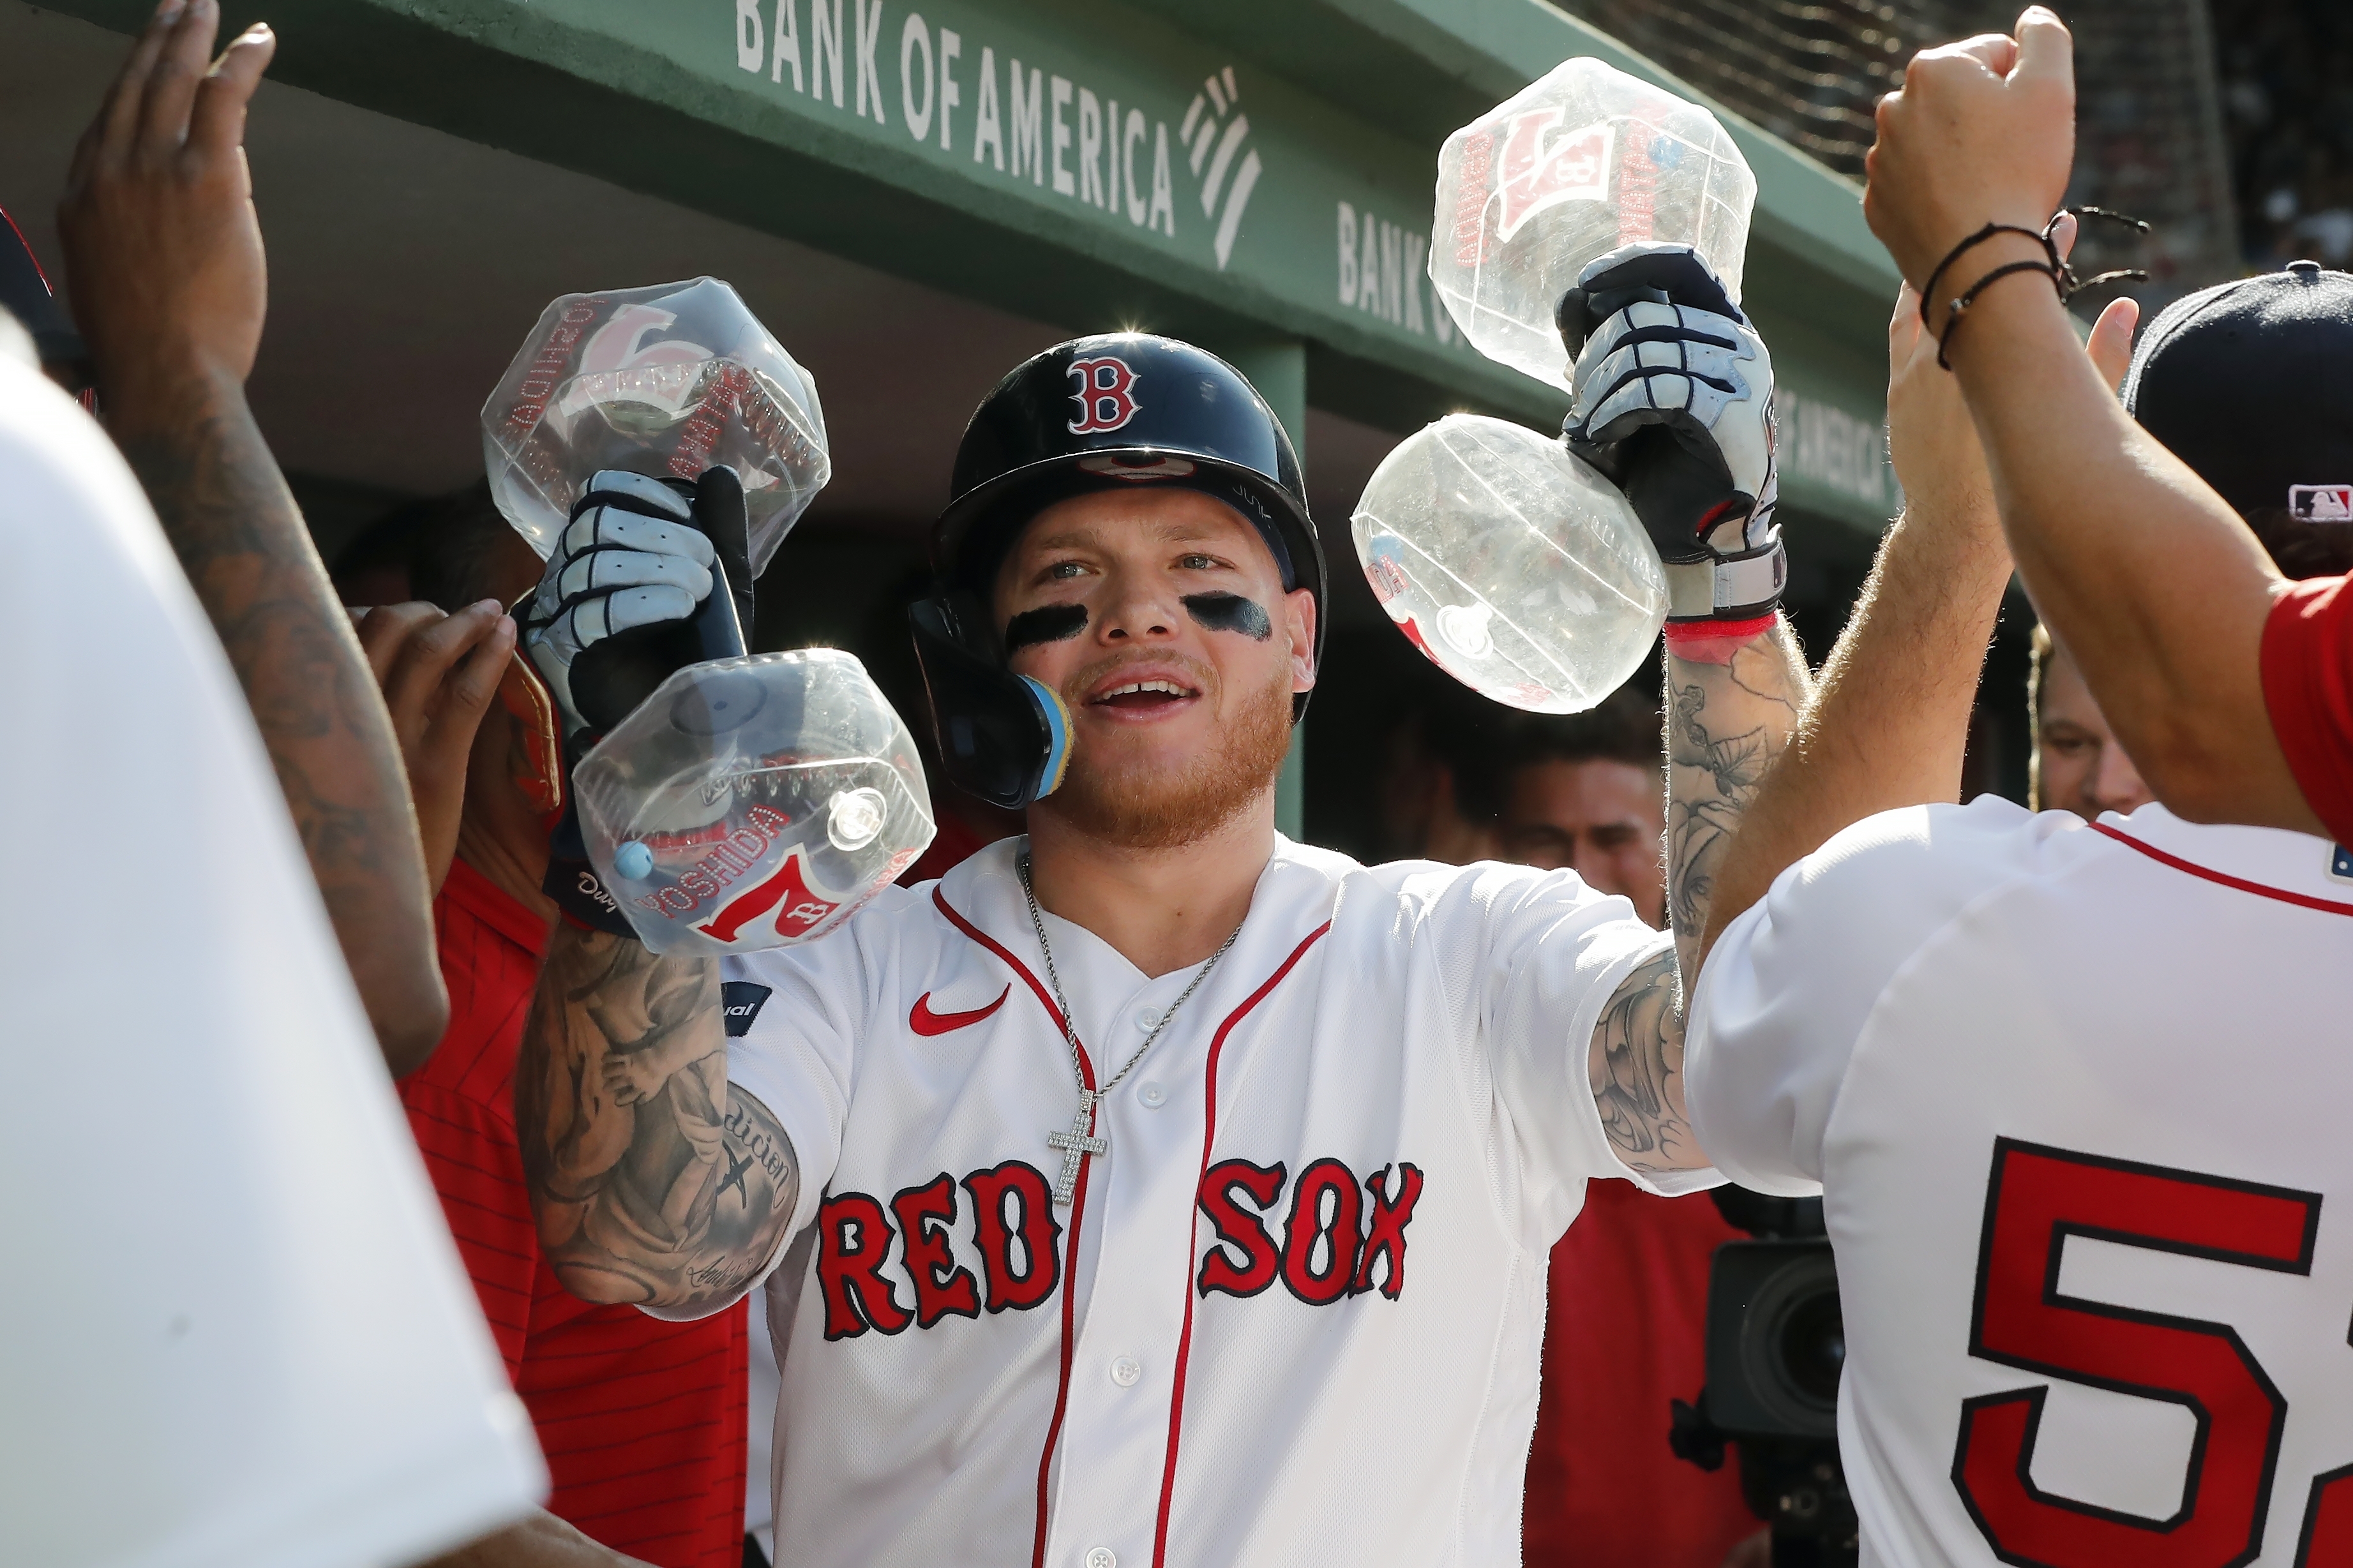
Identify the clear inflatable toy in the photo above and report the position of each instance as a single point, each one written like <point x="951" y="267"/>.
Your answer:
<point x="1511" y="565"/>
<point x="670" y="379"/>
<point x="752" y="803"/>
<point x="1576" y="164"/>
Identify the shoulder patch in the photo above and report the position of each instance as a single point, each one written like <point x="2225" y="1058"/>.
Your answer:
<point x="740" y="1002"/>
<point x="2340" y="862"/>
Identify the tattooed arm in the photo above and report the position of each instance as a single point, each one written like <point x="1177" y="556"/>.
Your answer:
<point x="1731" y="706"/>
<point x="654" y="1179"/>
<point x="1889" y="725"/>
<point x="165" y="257"/>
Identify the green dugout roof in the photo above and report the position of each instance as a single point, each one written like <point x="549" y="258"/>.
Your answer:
<point x="1236" y="172"/>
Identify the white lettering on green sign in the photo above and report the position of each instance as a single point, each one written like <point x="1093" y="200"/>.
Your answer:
<point x="1054" y="131"/>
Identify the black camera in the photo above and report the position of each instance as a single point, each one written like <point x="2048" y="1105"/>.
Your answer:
<point x="1775" y="1346"/>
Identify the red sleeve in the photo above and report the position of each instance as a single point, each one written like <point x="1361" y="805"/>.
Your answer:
<point x="2307" y="665"/>
<point x="1625" y="1333"/>
<point x="460" y="1104"/>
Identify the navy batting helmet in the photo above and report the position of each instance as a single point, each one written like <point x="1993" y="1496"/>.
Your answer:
<point x="1096" y="413"/>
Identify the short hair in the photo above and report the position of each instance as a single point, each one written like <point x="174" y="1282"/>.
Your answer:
<point x="2299" y="547"/>
<point x="1624" y="727"/>
<point x="449" y="543"/>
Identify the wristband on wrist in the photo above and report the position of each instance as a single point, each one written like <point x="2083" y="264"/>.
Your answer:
<point x="1728" y="588"/>
<point x="1716" y="642"/>
<point x="571" y="880"/>
<point x="2054" y="267"/>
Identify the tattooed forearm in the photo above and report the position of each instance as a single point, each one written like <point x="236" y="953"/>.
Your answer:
<point x="1725" y="724"/>
<point x="241" y="541"/>
<point x="1727" y="717"/>
<point x="653" y="1180"/>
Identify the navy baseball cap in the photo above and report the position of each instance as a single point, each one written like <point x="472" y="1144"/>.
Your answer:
<point x="2250" y="383"/>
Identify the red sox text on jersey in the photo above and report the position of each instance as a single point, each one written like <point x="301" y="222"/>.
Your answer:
<point x="1323" y="1221"/>
<point x="1335" y="1242"/>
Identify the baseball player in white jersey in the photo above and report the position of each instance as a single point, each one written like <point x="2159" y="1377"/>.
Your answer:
<point x="1152" y="1189"/>
<point x="2073" y="1093"/>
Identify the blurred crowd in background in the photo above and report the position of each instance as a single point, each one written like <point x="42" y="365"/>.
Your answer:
<point x="2287" y="97"/>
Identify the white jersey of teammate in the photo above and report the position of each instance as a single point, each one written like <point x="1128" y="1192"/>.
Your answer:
<point x="2076" y="1098"/>
<point x="1293" y="1315"/>
<point x="233" y="1327"/>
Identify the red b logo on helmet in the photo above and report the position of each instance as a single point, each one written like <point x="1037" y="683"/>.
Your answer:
<point x="1106" y="395"/>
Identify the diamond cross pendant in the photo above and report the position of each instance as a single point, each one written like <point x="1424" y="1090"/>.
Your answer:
<point x="1075" y="1145"/>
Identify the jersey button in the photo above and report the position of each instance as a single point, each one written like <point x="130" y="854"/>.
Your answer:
<point x="1102" y="1557"/>
<point x="1153" y="1096"/>
<point x="1149" y="1018"/>
<point x="1126" y="1371"/>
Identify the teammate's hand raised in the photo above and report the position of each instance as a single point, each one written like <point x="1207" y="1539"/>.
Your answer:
<point x="163" y="247"/>
<point x="1982" y="131"/>
<point x="439" y="673"/>
<point x="1930" y="437"/>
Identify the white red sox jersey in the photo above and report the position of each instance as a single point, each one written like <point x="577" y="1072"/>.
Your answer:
<point x="2077" y="1098"/>
<point x="1292" y="1315"/>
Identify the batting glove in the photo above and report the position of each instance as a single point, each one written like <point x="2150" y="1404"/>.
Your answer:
<point x="1674" y="402"/>
<point x="629" y="557"/>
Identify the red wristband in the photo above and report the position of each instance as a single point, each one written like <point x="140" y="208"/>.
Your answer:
<point x="1714" y="642"/>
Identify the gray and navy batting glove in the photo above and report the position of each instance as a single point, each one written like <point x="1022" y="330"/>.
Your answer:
<point x="630" y="557"/>
<point x="1673" y="403"/>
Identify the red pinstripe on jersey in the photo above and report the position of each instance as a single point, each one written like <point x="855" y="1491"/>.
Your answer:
<point x="1070" y="1237"/>
<point x="641" y="1421"/>
<point x="1209" y="1141"/>
<point x="2302" y="901"/>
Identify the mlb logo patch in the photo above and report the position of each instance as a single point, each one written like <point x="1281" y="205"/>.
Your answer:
<point x="2320" y="504"/>
<point x="2341" y="863"/>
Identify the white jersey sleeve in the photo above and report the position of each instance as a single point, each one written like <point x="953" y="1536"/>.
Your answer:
<point x="1789" y="985"/>
<point x="795" y="1018"/>
<point x="1530" y="962"/>
<point x="235" y="1329"/>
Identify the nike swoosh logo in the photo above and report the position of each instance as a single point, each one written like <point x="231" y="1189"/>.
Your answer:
<point x="924" y="1021"/>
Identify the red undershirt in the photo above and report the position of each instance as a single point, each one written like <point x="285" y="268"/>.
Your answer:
<point x="2307" y="664"/>
<point x="1624" y="1334"/>
<point x="641" y="1421"/>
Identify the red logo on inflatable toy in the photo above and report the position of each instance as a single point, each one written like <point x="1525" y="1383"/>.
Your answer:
<point x="1106" y="395"/>
<point x="798" y="910"/>
<point x="1537" y="172"/>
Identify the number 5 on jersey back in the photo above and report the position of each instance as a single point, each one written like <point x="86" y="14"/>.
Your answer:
<point x="2037" y="1198"/>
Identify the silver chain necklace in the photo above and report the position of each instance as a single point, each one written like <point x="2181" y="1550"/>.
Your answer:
<point x="1080" y="1141"/>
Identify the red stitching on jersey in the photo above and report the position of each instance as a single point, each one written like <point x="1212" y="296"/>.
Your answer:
<point x="2302" y="901"/>
<point x="1209" y="1135"/>
<point x="1045" y="998"/>
<point x="1078" y="1215"/>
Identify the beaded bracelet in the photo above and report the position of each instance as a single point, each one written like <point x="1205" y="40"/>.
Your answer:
<point x="2063" y="277"/>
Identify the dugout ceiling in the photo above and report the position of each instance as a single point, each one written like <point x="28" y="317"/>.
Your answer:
<point x="920" y="193"/>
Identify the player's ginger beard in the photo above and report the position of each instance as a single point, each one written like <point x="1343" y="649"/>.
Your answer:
<point x="1163" y="808"/>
